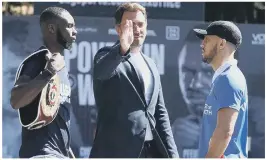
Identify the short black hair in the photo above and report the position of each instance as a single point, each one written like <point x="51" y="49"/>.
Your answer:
<point x="51" y="13"/>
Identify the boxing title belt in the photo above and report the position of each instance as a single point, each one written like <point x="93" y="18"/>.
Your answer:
<point x="44" y="108"/>
<point x="49" y="104"/>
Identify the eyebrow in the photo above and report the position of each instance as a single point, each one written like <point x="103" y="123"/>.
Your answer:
<point x="70" y="23"/>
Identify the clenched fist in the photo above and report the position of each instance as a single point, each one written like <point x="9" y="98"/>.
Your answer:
<point x="55" y="62"/>
<point x="126" y="36"/>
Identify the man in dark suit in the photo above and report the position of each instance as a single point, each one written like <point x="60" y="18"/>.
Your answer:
<point x="132" y="118"/>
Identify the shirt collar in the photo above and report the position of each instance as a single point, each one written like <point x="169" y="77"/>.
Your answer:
<point x="134" y="54"/>
<point x="223" y="67"/>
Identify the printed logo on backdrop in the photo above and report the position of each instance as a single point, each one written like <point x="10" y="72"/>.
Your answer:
<point x="84" y="151"/>
<point x="176" y="5"/>
<point x="82" y="53"/>
<point x="87" y="29"/>
<point x="155" y="10"/>
<point x="172" y="32"/>
<point x="190" y="153"/>
<point x="258" y="39"/>
<point x="80" y="57"/>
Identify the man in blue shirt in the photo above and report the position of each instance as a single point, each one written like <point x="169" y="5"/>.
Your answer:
<point x="224" y="126"/>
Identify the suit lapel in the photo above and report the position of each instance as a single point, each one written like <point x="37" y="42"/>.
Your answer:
<point x="135" y="81"/>
<point x="138" y="74"/>
<point x="155" y="75"/>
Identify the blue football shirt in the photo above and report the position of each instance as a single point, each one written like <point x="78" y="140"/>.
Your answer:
<point x="229" y="89"/>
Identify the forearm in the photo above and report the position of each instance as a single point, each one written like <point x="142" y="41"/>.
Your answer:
<point x="218" y="143"/>
<point x="106" y="64"/>
<point x="24" y="93"/>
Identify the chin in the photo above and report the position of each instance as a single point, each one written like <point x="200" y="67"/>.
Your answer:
<point x="205" y="60"/>
<point x="68" y="46"/>
<point x="135" y="45"/>
<point x="138" y="41"/>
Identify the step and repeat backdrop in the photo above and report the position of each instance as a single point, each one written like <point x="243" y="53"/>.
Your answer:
<point x="176" y="51"/>
<point x="155" y="10"/>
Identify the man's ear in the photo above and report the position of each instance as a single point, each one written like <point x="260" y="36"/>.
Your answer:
<point x="51" y="28"/>
<point x="222" y="43"/>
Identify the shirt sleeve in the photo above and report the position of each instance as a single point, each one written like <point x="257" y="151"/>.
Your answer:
<point x="31" y="68"/>
<point x="228" y="93"/>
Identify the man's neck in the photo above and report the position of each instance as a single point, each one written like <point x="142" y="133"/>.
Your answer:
<point x="135" y="50"/>
<point x="54" y="48"/>
<point x="219" y="62"/>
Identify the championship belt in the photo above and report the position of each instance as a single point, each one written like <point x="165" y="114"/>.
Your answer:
<point x="49" y="104"/>
<point x="50" y="101"/>
<point x="44" y="108"/>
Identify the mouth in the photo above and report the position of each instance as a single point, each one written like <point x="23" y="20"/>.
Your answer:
<point x="74" y="39"/>
<point x="137" y="35"/>
<point x="197" y="96"/>
<point x="197" y="101"/>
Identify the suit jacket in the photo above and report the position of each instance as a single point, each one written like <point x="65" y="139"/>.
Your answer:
<point x="123" y="114"/>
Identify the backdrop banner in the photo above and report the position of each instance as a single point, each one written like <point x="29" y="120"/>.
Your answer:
<point x="175" y="49"/>
<point x="155" y="10"/>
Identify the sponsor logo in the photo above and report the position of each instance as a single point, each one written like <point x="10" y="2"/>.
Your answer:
<point x="175" y="5"/>
<point x="207" y="110"/>
<point x="190" y="153"/>
<point x="87" y="29"/>
<point x="84" y="151"/>
<point x="172" y="32"/>
<point x="258" y="39"/>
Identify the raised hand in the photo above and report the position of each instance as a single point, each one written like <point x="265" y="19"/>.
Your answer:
<point x="54" y="62"/>
<point x="126" y="36"/>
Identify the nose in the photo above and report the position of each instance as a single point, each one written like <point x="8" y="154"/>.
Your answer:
<point x="75" y="32"/>
<point x="196" y="82"/>
<point x="136" y="28"/>
<point x="202" y="45"/>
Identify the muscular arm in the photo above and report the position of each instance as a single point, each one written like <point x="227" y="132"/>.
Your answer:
<point x="106" y="61"/>
<point x="222" y="134"/>
<point x="26" y="89"/>
<point x="29" y="84"/>
<point x="163" y="127"/>
<point x="229" y="95"/>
